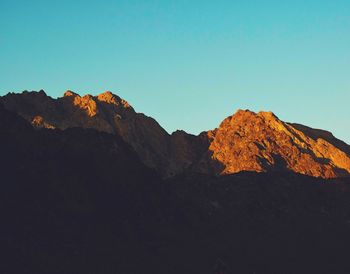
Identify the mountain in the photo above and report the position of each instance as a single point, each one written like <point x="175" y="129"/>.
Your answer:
<point x="71" y="198"/>
<point x="105" y="112"/>
<point x="78" y="199"/>
<point x="245" y="141"/>
<point x="260" y="142"/>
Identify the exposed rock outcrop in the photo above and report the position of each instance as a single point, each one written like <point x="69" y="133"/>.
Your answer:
<point x="260" y="142"/>
<point x="106" y="112"/>
<point x="245" y="141"/>
<point x="80" y="201"/>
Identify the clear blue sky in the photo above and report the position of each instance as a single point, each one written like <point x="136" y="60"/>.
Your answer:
<point x="189" y="64"/>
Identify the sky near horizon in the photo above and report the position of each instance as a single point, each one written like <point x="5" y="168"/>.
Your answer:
<point x="188" y="64"/>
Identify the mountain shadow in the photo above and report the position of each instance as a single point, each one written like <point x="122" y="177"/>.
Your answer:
<point x="244" y="141"/>
<point x="81" y="200"/>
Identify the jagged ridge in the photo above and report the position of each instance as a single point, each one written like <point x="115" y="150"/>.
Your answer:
<point x="249" y="141"/>
<point x="245" y="141"/>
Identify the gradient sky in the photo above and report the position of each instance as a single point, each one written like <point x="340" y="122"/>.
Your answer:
<point x="189" y="64"/>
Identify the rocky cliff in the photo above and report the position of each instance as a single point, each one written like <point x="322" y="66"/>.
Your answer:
<point x="245" y="141"/>
<point x="80" y="200"/>
<point x="260" y="142"/>
<point x="106" y="112"/>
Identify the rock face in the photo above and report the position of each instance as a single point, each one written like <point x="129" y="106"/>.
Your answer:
<point x="246" y="141"/>
<point x="260" y="142"/>
<point x="80" y="201"/>
<point x="106" y="112"/>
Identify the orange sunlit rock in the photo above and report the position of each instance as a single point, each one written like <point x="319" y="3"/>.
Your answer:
<point x="110" y="98"/>
<point x="245" y="141"/>
<point x="249" y="141"/>
<point x="39" y="122"/>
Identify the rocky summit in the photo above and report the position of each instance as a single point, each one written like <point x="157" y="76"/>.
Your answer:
<point x="106" y="112"/>
<point x="248" y="141"/>
<point x="245" y="141"/>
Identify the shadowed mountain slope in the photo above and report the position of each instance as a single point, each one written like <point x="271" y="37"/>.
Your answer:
<point x="81" y="201"/>
<point x="245" y="141"/>
<point x="72" y="200"/>
<point x="105" y="112"/>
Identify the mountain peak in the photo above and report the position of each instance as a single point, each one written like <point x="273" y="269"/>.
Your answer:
<point x="249" y="141"/>
<point x="69" y="93"/>
<point x="105" y="97"/>
<point x="248" y="113"/>
<point x="267" y="114"/>
<point x="244" y="119"/>
<point x="110" y="98"/>
<point x="108" y="93"/>
<point x="245" y="141"/>
<point x="243" y="112"/>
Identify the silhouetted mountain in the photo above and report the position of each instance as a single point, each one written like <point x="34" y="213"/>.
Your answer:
<point x="77" y="197"/>
<point x="75" y="201"/>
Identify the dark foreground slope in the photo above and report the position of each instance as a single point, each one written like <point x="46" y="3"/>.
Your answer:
<point x="74" y="201"/>
<point x="270" y="223"/>
<point x="81" y="201"/>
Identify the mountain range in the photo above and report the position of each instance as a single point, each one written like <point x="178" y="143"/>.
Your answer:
<point x="88" y="185"/>
<point x="245" y="141"/>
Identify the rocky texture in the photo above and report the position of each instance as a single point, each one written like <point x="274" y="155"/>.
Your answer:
<point x="80" y="201"/>
<point x="106" y="112"/>
<point x="39" y="122"/>
<point x="260" y="142"/>
<point x="73" y="195"/>
<point x="246" y="141"/>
